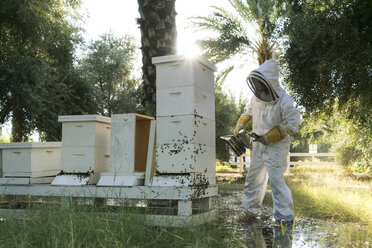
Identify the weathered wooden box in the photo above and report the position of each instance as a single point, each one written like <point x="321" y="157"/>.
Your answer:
<point x="129" y="149"/>
<point x="31" y="160"/>
<point x="129" y="142"/>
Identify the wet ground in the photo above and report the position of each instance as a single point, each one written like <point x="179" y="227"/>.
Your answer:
<point x="264" y="232"/>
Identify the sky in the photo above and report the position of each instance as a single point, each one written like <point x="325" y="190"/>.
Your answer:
<point x="119" y="17"/>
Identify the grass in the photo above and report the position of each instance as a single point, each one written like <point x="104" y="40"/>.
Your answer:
<point x="329" y="192"/>
<point x="326" y="192"/>
<point x="84" y="227"/>
<point x="222" y="168"/>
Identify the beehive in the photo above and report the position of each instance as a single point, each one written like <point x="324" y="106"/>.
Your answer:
<point x="185" y="114"/>
<point x="30" y="160"/>
<point x="85" y="143"/>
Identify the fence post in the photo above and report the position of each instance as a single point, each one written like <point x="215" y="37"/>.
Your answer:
<point x="241" y="164"/>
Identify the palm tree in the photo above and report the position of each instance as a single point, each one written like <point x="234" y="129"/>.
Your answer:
<point x="232" y="36"/>
<point x="158" y="37"/>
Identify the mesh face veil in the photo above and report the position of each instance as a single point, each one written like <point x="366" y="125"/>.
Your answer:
<point x="260" y="87"/>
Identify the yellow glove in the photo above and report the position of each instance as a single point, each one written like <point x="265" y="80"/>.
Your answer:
<point x="243" y="120"/>
<point x="275" y="134"/>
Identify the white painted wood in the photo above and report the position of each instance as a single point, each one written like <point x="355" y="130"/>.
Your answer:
<point x="171" y="180"/>
<point x="124" y="150"/>
<point x="88" y="191"/>
<point x="184" y="208"/>
<point x="83" y="118"/>
<point x="122" y="143"/>
<point x="186" y="180"/>
<point x="185" y="158"/>
<point x="174" y="58"/>
<point x="151" y="154"/>
<point x="180" y="220"/>
<point x="187" y="129"/>
<point x="84" y="133"/>
<point x="205" y="204"/>
<point x="85" y="159"/>
<point x="184" y="72"/>
<point x="71" y="180"/>
<point x="15" y="181"/>
<point x="120" y="180"/>
<point x="33" y="159"/>
<point x="185" y="101"/>
<point x="41" y="180"/>
<point x="25" y="180"/>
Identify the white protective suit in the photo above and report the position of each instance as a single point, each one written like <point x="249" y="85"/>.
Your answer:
<point x="270" y="161"/>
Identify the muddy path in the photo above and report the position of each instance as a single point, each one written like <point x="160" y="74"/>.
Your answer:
<point x="263" y="232"/>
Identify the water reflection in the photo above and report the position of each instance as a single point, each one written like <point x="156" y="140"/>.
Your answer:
<point x="263" y="232"/>
<point x="262" y="236"/>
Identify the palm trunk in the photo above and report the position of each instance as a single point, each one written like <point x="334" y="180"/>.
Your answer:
<point x="18" y="128"/>
<point x="158" y="37"/>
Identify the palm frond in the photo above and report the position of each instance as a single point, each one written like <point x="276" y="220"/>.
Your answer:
<point x="231" y="36"/>
<point x="221" y="77"/>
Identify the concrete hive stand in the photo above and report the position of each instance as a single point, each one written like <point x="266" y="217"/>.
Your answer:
<point x="85" y="149"/>
<point x="33" y="162"/>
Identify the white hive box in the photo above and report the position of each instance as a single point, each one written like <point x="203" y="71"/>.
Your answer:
<point x="85" y="143"/>
<point x="188" y="100"/>
<point x="177" y="71"/>
<point x="184" y="86"/>
<point x="185" y="129"/>
<point x="129" y="148"/>
<point x="31" y="160"/>
<point x="187" y="159"/>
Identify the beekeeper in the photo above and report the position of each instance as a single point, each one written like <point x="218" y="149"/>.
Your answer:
<point x="274" y="117"/>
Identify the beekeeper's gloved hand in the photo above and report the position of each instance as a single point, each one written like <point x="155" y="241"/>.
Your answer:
<point x="243" y="120"/>
<point x="275" y="134"/>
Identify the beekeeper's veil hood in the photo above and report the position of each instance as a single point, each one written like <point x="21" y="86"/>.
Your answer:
<point x="264" y="82"/>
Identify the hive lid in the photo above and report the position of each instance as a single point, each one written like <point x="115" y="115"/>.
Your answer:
<point x="80" y="118"/>
<point x="30" y="145"/>
<point x="174" y="58"/>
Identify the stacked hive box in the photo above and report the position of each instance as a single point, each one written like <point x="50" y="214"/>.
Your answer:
<point x="32" y="162"/>
<point x="85" y="146"/>
<point x="185" y="115"/>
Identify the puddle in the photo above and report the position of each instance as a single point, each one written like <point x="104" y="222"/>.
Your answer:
<point x="264" y="233"/>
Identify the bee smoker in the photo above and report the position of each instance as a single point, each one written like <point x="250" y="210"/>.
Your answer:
<point x="238" y="143"/>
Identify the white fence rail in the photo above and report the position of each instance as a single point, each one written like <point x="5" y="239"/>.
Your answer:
<point x="244" y="160"/>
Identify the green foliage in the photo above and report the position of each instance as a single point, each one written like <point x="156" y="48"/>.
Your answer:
<point x="37" y="78"/>
<point x="108" y="67"/>
<point x="227" y="113"/>
<point x="351" y="141"/>
<point x="328" y="55"/>
<point x="231" y="38"/>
